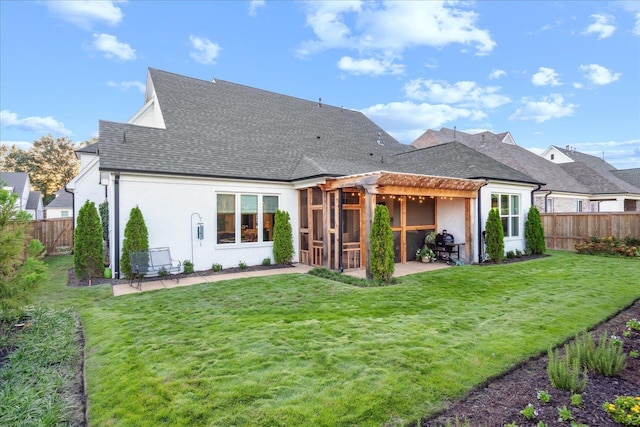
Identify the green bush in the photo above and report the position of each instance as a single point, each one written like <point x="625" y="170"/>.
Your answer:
<point x="494" y="237"/>
<point x="216" y="267"/>
<point x="282" y="238"/>
<point x="609" y="246"/>
<point x="88" y="254"/>
<point x="608" y="358"/>
<point x="266" y="261"/>
<point x="534" y="232"/>
<point x="381" y="246"/>
<point x="136" y="238"/>
<point x="188" y="266"/>
<point x="565" y="373"/>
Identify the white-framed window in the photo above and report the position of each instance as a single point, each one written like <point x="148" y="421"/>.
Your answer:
<point x="508" y="206"/>
<point x="245" y="218"/>
<point x="64" y="214"/>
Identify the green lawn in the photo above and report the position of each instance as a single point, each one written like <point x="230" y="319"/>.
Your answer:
<point x="302" y="350"/>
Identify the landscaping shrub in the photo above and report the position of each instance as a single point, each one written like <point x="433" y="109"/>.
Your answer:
<point x="609" y="246"/>
<point x="608" y="358"/>
<point x="495" y="237"/>
<point x="565" y="373"/>
<point x="136" y="238"/>
<point x="381" y="245"/>
<point x="88" y="254"/>
<point x="282" y="238"/>
<point x="18" y="273"/>
<point x="188" y="266"/>
<point x="534" y="232"/>
<point x="103" y="208"/>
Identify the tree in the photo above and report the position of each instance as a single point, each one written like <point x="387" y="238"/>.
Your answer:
<point x="103" y="208"/>
<point x="51" y="164"/>
<point x="495" y="236"/>
<point x="534" y="232"/>
<point x="381" y="246"/>
<point x="282" y="238"/>
<point x="88" y="256"/>
<point x="18" y="273"/>
<point x="136" y="238"/>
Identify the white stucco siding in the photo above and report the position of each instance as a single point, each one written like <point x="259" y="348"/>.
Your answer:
<point x="524" y="192"/>
<point x="450" y="216"/>
<point x="86" y="186"/>
<point x="172" y="207"/>
<point x="53" y="213"/>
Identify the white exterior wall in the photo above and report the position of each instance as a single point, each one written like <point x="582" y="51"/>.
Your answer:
<point x="53" y="213"/>
<point x="612" y="205"/>
<point x="510" y="243"/>
<point x="450" y="216"/>
<point x="171" y="205"/>
<point x="86" y="186"/>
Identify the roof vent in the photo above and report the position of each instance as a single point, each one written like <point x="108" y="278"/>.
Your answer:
<point x="378" y="140"/>
<point x="320" y="102"/>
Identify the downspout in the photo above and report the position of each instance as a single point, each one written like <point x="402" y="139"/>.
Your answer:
<point x="480" y="239"/>
<point x="116" y="225"/>
<point x="340" y="228"/>
<point x="545" y="201"/>
<point x="533" y="191"/>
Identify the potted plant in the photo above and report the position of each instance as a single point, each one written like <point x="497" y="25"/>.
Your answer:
<point x="425" y="254"/>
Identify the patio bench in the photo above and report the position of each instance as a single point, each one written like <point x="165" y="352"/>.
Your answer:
<point x="152" y="262"/>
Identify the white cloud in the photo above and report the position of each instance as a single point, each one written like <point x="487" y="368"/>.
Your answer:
<point x="599" y="75"/>
<point x="126" y="85"/>
<point x="374" y="26"/>
<point x="407" y="120"/>
<point x="205" y="51"/>
<point x="254" y="5"/>
<point x="548" y="107"/>
<point x="369" y="66"/>
<point x="86" y="13"/>
<point x="603" y="26"/>
<point x="463" y="93"/>
<point x="636" y="28"/>
<point x="578" y="85"/>
<point x="546" y="77"/>
<point x="496" y="74"/>
<point x="112" y="48"/>
<point x="32" y="124"/>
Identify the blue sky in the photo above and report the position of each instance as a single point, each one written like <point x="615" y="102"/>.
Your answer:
<point x="551" y="73"/>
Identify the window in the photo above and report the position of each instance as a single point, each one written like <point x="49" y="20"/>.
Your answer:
<point x="579" y="206"/>
<point x="508" y="206"/>
<point x="254" y="222"/>
<point x="553" y="156"/>
<point x="64" y="214"/>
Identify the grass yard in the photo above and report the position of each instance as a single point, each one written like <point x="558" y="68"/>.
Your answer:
<point x="302" y="350"/>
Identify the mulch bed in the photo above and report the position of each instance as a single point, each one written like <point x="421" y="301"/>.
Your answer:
<point x="500" y="400"/>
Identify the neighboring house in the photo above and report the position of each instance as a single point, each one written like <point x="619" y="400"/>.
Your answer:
<point x="581" y="183"/>
<point x="29" y="201"/>
<point x="227" y="156"/>
<point x="610" y="193"/>
<point x="86" y="184"/>
<point x="61" y="206"/>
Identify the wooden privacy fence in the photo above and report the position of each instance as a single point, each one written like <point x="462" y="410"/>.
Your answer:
<point x="565" y="230"/>
<point x="55" y="234"/>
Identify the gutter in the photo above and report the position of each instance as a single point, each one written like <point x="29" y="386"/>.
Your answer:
<point x="533" y="191"/>
<point x="545" y="201"/>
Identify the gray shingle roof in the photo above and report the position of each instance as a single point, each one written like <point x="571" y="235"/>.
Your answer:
<point x="630" y="176"/>
<point x="91" y="148"/>
<point x="521" y="159"/>
<point x="17" y="180"/>
<point x="223" y="129"/>
<point x="454" y="159"/>
<point x="33" y="202"/>
<point x="62" y="200"/>
<point x="592" y="161"/>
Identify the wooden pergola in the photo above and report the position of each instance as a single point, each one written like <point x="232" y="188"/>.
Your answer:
<point x="377" y="185"/>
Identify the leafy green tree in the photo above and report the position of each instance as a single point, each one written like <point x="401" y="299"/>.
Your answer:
<point x="495" y="236"/>
<point x="88" y="256"/>
<point x="534" y="232"/>
<point x="103" y="208"/>
<point x="21" y="268"/>
<point x="381" y="246"/>
<point x="282" y="238"/>
<point x="51" y="163"/>
<point x="136" y="238"/>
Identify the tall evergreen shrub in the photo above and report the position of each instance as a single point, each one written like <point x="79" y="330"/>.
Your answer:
<point x="136" y="238"/>
<point x="104" y="218"/>
<point x="534" y="233"/>
<point x="88" y="256"/>
<point x="495" y="236"/>
<point x="282" y="238"/>
<point x="381" y="242"/>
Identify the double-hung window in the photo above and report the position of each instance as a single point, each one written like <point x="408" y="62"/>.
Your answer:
<point x="245" y="218"/>
<point x="508" y="206"/>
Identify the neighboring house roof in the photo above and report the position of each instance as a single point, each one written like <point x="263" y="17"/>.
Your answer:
<point x="519" y="158"/>
<point x="454" y="159"/>
<point x="222" y="129"/>
<point x="630" y="176"/>
<point x="17" y="180"/>
<point x="91" y="148"/>
<point x="63" y="200"/>
<point x="599" y="181"/>
<point x="592" y="161"/>
<point x="34" y="202"/>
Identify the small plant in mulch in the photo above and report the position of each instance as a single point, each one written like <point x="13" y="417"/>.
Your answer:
<point x="624" y="410"/>
<point x="242" y="265"/>
<point x="216" y="267"/>
<point x="543" y="396"/>
<point x="188" y="266"/>
<point x="529" y="412"/>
